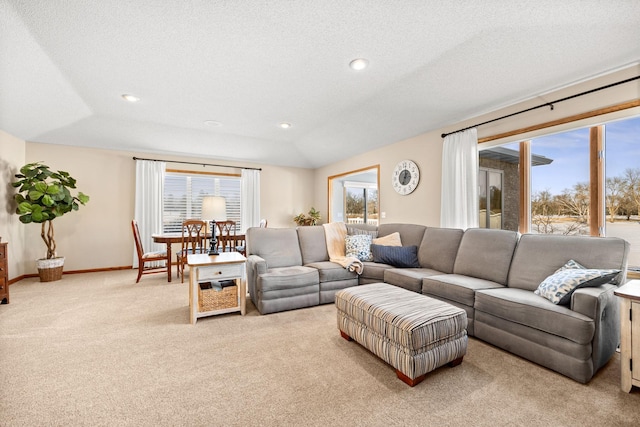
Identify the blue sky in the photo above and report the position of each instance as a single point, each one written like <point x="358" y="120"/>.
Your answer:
<point x="570" y="154"/>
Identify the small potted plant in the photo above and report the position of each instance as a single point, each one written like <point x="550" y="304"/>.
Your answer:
<point x="44" y="195"/>
<point x="312" y="219"/>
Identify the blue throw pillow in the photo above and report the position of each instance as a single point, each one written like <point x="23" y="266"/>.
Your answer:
<point x="397" y="256"/>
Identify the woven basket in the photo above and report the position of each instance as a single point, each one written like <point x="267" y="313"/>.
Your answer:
<point x="50" y="270"/>
<point x="213" y="299"/>
<point x="50" y="274"/>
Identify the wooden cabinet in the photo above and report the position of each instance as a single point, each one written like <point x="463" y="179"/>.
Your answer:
<point x="629" y="335"/>
<point x="4" y="275"/>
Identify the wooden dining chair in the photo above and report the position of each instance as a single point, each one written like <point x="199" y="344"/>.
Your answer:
<point x="194" y="233"/>
<point x="226" y="236"/>
<point x="146" y="257"/>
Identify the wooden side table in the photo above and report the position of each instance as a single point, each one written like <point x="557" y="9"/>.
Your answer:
<point x="629" y="335"/>
<point x="205" y="268"/>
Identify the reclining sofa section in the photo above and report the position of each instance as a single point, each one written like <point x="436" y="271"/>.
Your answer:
<point x="491" y="274"/>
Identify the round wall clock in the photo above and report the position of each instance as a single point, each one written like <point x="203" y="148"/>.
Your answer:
<point x="405" y="178"/>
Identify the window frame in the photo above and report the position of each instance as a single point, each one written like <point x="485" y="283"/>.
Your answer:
<point x="234" y="209"/>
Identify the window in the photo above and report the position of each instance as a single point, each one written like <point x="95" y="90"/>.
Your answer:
<point x="353" y="196"/>
<point x="183" y="194"/>
<point x="490" y="189"/>
<point x="560" y="199"/>
<point x="572" y="182"/>
<point x="361" y="203"/>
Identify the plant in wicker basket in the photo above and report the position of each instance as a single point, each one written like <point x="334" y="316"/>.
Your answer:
<point x="44" y="195"/>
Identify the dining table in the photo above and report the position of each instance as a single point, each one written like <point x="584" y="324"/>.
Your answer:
<point x="170" y="238"/>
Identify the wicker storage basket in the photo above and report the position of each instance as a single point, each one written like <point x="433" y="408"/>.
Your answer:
<point x="210" y="298"/>
<point x="50" y="274"/>
<point x="50" y="270"/>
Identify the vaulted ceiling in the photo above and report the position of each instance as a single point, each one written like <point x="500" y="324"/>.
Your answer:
<point x="249" y="65"/>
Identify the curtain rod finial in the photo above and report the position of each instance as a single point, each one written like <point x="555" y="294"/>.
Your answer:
<point x="444" y="135"/>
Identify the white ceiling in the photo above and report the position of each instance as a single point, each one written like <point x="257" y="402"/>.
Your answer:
<point x="251" y="64"/>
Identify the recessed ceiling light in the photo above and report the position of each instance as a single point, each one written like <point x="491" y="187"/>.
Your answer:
<point x="285" y="125"/>
<point x="212" y="123"/>
<point x="359" y="64"/>
<point x="131" y="98"/>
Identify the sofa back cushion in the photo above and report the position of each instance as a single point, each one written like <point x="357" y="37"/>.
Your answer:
<point x="410" y="234"/>
<point x="439" y="248"/>
<point x="278" y="246"/>
<point x="486" y="254"/>
<point x="540" y="255"/>
<point x="313" y="244"/>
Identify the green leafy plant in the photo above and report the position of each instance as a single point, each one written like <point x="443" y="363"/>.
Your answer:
<point x="44" y="195"/>
<point x="312" y="219"/>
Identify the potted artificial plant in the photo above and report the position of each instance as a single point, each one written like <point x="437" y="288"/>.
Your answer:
<point x="312" y="219"/>
<point x="43" y="196"/>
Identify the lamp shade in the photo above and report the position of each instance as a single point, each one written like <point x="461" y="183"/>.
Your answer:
<point x="214" y="208"/>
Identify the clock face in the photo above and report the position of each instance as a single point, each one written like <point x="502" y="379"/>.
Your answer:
<point x="405" y="178"/>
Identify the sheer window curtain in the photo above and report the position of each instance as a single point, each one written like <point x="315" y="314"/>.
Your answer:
<point x="459" y="201"/>
<point x="250" y="203"/>
<point x="149" y="204"/>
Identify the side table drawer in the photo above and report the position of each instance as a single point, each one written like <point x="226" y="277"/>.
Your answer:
<point x="219" y="272"/>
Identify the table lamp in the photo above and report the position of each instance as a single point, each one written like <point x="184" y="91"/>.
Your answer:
<point x="214" y="209"/>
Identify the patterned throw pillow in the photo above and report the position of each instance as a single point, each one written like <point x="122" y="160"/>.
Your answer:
<point x="559" y="287"/>
<point x="397" y="256"/>
<point x="359" y="246"/>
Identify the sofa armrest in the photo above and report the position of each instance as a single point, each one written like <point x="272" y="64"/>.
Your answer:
<point x="255" y="266"/>
<point x="601" y="305"/>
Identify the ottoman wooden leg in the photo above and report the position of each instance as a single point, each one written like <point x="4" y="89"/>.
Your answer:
<point x="455" y="362"/>
<point x="409" y="381"/>
<point x="345" y="336"/>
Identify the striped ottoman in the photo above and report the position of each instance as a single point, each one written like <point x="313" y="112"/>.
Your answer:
<point x="412" y="332"/>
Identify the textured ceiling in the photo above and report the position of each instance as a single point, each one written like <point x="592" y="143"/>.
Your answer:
<point x="251" y="64"/>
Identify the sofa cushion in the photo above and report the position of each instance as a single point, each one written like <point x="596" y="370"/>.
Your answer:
<point x="277" y="246"/>
<point x="313" y="244"/>
<point x="408" y="278"/>
<point x="374" y="271"/>
<point x="291" y="280"/>
<point x="525" y="308"/>
<point x="439" y="248"/>
<point x="558" y="287"/>
<point x="358" y="246"/>
<point x="354" y="229"/>
<point x="330" y="271"/>
<point x="410" y="234"/>
<point x="397" y="256"/>
<point x="540" y="255"/>
<point x="486" y="254"/>
<point x="455" y="287"/>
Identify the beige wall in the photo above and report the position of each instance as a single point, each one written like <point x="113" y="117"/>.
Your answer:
<point x="12" y="155"/>
<point x="423" y="205"/>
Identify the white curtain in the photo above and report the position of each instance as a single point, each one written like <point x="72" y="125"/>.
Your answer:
<point x="250" y="194"/>
<point x="149" y="204"/>
<point x="459" y="201"/>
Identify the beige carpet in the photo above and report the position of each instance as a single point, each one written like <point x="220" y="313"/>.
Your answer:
<point x="97" y="349"/>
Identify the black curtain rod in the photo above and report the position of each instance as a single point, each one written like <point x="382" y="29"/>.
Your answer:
<point x="549" y="104"/>
<point x="195" y="163"/>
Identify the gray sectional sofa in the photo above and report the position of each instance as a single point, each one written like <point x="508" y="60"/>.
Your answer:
<point x="491" y="274"/>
